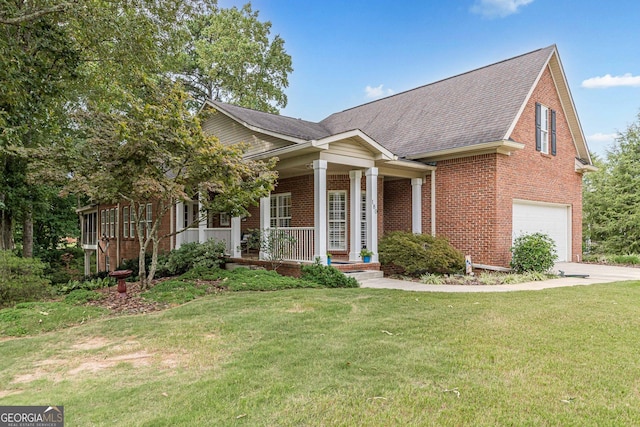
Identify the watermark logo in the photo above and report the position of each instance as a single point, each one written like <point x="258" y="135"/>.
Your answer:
<point x="31" y="416"/>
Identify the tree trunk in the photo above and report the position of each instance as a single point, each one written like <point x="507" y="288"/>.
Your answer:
<point x="27" y="233"/>
<point x="6" y="231"/>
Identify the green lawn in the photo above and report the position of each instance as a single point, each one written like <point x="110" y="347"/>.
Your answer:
<point x="346" y="357"/>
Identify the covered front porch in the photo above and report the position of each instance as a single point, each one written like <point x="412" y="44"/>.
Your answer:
<point x="328" y="203"/>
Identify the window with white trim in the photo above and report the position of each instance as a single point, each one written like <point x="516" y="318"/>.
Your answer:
<point x="132" y="222"/>
<point x="112" y="223"/>
<point x="148" y="219"/>
<point x="544" y="129"/>
<point x="103" y="224"/>
<point x="337" y="217"/>
<point x="225" y="220"/>
<point x="280" y="210"/>
<point x="125" y="222"/>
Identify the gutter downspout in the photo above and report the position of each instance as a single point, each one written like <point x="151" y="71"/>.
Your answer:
<point x="433" y="203"/>
<point x="172" y="226"/>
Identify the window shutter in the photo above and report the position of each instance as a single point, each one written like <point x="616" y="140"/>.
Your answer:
<point x="538" y="135"/>
<point x="553" y="132"/>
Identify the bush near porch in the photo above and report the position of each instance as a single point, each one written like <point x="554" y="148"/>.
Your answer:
<point x="416" y="254"/>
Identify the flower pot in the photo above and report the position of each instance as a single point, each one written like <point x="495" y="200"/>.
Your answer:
<point x="328" y="261"/>
<point x="366" y="258"/>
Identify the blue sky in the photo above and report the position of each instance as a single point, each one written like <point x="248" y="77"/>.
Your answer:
<point x="346" y="53"/>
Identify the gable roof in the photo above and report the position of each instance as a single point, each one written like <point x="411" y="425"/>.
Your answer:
<point x="472" y="108"/>
<point x="476" y="108"/>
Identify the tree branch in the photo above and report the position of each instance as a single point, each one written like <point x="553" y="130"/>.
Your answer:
<point x="37" y="14"/>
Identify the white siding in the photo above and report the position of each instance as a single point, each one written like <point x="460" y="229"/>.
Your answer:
<point x="230" y="132"/>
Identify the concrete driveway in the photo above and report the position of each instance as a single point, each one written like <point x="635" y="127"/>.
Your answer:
<point x="596" y="273"/>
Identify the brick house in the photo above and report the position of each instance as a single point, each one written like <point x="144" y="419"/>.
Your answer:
<point x="479" y="158"/>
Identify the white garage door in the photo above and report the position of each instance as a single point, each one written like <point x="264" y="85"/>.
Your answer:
<point x="553" y="220"/>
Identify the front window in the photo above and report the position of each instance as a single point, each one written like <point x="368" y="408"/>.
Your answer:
<point x="281" y="210"/>
<point x="337" y="216"/>
<point x="544" y="129"/>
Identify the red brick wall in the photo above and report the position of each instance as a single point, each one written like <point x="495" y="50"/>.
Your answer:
<point x="474" y="195"/>
<point x="397" y="197"/>
<point x="465" y="205"/>
<point x="548" y="178"/>
<point x="129" y="247"/>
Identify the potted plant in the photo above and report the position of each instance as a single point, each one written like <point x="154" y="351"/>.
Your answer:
<point x="366" y="255"/>
<point x="328" y="259"/>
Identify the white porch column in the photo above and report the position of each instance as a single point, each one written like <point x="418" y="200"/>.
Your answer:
<point x="416" y="205"/>
<point x="320" y="210"/>
<point x="372" y="212"/>
<point x="265" y="221"/>
<point x="356" y="223"/>
<point x="87" y="262"/>
<point x="179" y="224"/>
<point x="202" y="223"/>
<point x="236" y="250"/>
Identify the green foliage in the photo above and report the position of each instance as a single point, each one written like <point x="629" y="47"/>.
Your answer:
<point x="31" y="318"/>
<point x="611" y="199"/>
<point x="631" y="259"/>
<point x="21" y="280"/>
<point x="420" y="253"/>
<point x="232" y="58"/>
<point x="533" y="253"/>
<point x="82" y="296"/>
<point x="327" y="276"/>
<point x="62" y="265"/>
<point x="432" y="279"/>
<point x="191" y="255"/>
<point x="88" y="285"/>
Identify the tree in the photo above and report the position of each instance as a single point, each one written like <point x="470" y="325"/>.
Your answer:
<point x="153" y="152"/>
<point x="612" y="197"/>
<point x="231" y="58"/>
<point x="56" y="57"/>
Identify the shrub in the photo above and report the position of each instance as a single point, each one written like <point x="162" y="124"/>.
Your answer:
<point x="21" y="279"/>
<point x="62" y="265"/>
<point x="533" y="252"/>
<point x="207" y="255"/>
<point x="418" y="254"/>
<point x="432" y="279"/>
<point x="87" y="285"/>
<point x="327" y="276"/>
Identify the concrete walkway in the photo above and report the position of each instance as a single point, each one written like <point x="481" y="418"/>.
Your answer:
<point x="597" y="274"/>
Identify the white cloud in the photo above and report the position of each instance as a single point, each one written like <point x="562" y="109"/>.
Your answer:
<point x="611" y="81"/>
<point x="498" y="8"/>
<point x="602" y="137"/>
<point x="377" y="92"/>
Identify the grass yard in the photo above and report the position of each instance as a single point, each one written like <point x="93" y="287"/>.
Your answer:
<point x="344" y="357"/>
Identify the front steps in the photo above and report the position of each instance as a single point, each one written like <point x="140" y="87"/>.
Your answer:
<point x="364" y="274"/>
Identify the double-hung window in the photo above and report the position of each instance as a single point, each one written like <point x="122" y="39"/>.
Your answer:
<point x="545" y="129"/>
<point x="125" y="222"/>
<point x="337" y="216"/>
<point x="149" y="218"/>
<point x="280" y="210"/>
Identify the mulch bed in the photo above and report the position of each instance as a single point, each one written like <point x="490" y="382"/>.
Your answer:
<point x="133" y="303"/>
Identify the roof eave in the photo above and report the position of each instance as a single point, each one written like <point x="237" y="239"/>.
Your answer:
<point x="504" y="146"/>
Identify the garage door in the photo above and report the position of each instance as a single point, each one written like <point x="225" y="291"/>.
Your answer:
<point x="551" y="219"/>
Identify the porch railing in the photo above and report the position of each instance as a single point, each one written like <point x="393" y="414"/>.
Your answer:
<point x="219" y="234"/>
<point x="296" y="243"/>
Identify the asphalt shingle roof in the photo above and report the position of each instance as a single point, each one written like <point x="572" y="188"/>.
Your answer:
<point x="471" y="108"/>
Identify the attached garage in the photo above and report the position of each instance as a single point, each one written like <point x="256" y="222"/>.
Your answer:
<point x="551" y="219"/>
